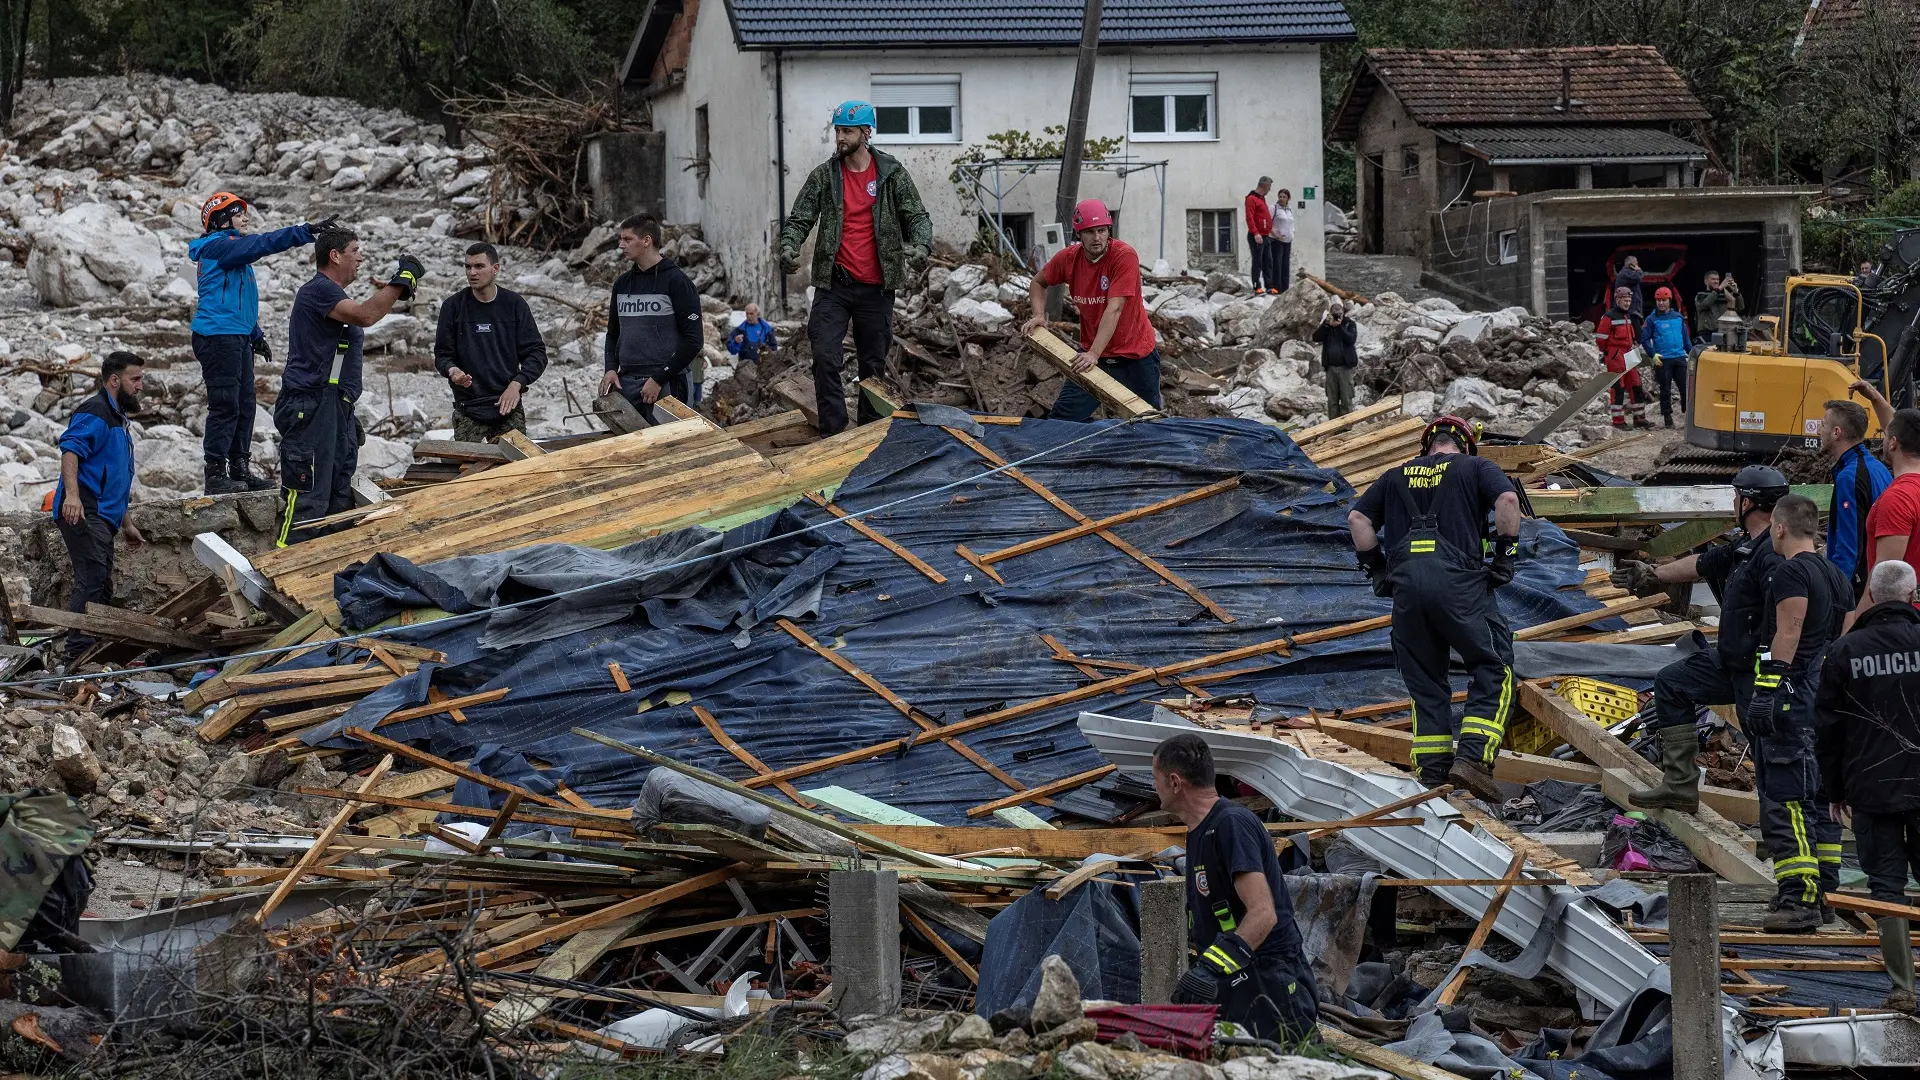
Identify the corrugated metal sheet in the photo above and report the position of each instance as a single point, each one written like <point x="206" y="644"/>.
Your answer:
<point x="868" y="24"/>
<point x="1503" y="145"/>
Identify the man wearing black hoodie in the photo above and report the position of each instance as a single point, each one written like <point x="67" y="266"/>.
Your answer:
<point x="1868" y="744"/>
<point x="654" y="332"/>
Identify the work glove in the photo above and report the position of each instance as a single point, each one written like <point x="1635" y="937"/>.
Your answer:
<point x="1221" y="965"/>
<point x="407" y="272"/>
<point x="916" y="258"/>
<point x="1758" y="721"/>
<point x="1636" y="577"/>
<point x="789" y="261"/>
<point x="262" y="349"/>
<point x="1505" y="550"/>
<point x="327" y="224"/>
<point x="1658" y="361"/>
<point x="1373" y="562"/>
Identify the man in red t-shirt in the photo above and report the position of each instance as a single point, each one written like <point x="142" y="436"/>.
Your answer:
<point x="1102" y="276"/>
<point x="1259" y="224"/>
<point x="873" y="229"/>
<point x="1893" y="525"/>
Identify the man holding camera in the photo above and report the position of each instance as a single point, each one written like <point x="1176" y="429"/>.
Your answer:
<point x="319" y="437"/>
<point x="1720" y="296"/>
<point x="488" y="347"/>
<point x="1336" y="335"/>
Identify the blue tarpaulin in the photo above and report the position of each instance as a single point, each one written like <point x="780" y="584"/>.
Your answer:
<point x="1272" y="551"/>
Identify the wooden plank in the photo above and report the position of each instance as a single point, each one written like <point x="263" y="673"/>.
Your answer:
<point x="1380" y="1057"/>
<point x="619" y="414"/>
<point x="1080" y="875"/>
<point x="620" y="682"/>
<point x="451" y="450"/>
<point x="608" y="915"/>
<point x="1537" y="853"/>
<point x="1108" y="535"/>
<point x="1686" y="536"/>
<point x="940" y="943"/>
<point x="745" y="756"/>
<point x="304" y="718"/>
<point x="1658" y="504"/>
<point x="1612" y="609"/>
<point x="726" y="843"/>
<point x="1325" y="428"/>
<point x="1074" y="844"/>
<point x="1713" y="839"/>
<point x="572" y="818"/>
<point x="1765" y="964"/>
<point x="105" y="622"/>
<point x="517" y="446"/>
<point x="1065" y="783"/>
<point x="1120" y="401"/>
<point x="1482" y="930"/>
<point x="278" y="680"/>
<point x="868" y="531"/>
<point x="1091" y="527"/>
<point x="1870" y="906"/>
<point x="321" y="843"/>
<point x="421" y="757"/>
<point x="432" y="708"/>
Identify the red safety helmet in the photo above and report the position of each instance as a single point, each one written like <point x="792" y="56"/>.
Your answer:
<point x="1453" y="426"/>
<point x="1091" y="214"/>
<point x="1663" y="293"/>
<point x="221" y="204"/>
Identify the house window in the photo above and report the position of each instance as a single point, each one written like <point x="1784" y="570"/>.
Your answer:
<point x="1216" y="232"/>
<point x="1018" y="230"/>
<point x="916" y="108"/>
<point x="1509" y="246"/>
<point x="1167" y="108"/>
<point x="1410" y="162"/>
<point x="701" y="161"/>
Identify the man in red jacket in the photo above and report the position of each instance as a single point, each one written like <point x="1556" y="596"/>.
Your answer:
<point x="1259" y="245"/>
<point x="1618" y="335"/>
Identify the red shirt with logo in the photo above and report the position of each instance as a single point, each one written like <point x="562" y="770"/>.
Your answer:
<point x="1091" y="284"/>
<point x="859" y="252"/>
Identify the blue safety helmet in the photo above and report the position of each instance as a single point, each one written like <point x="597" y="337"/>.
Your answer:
<point x="853" y="114"/>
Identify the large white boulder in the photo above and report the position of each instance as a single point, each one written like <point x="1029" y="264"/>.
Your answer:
<point x="89" y="253"/>
<point x="964" y="279"/>
<point x="391" y="328"/>
<point x="384" y="458"/>
<point x="1471" y="399"/>
<point x="1191" y="314"/>
<point x="987" y="313"/>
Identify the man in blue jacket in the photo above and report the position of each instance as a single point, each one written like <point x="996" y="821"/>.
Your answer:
<point x="1664" y="336"/>
<point x="96" y="476"/>
<point x="752" y="335"/>
<point x="1858" y="480"/>
<point x="226" y="333"/>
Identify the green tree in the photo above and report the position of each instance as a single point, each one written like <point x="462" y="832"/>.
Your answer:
<point x="414" y="54"/>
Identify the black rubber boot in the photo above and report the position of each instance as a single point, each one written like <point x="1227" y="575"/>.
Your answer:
<point x="1476" y="778"/>
<point x="1790" y="916"/>
<point x="1680" y="780"/>
<point x="241" y="470"/>
<point x="217" y="480"/>
<point x="1433" y="772"/>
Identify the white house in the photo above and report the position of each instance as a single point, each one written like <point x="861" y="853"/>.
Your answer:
<point x="1204" y="96"/>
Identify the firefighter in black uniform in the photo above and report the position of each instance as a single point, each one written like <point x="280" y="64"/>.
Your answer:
<point x="1736" y="572"/>
<point x="1434" y="510"/>
<point x="1807" y="598"/>
<point x="1239" y="917"/>
<point x="1868" y="744"/>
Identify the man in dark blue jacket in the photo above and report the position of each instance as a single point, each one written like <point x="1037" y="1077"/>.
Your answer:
<point x="226" y="333"/>
<point x="752" y="335"/>
<point x="1858" y="480"/>
<point x="1664" y="336"/>
<point x="96" y="476"/>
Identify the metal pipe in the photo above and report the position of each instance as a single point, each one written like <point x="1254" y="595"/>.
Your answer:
<point x="780" y="167"/>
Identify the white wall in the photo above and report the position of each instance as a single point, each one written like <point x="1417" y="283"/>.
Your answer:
<point x="1267" y="119"/>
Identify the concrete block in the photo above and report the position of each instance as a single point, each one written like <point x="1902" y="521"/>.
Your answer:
<point x="1581" y="847"/>
<point x="863" y="911"/>
<point x="1693" y="926"/>
<point x="1163" y="938"/>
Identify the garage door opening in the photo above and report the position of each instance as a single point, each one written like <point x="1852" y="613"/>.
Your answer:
<point x="1680" y="258"/>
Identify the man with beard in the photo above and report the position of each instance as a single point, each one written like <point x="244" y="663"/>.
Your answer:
<point x="872" y="225"/>
<point x="96" y="475"/>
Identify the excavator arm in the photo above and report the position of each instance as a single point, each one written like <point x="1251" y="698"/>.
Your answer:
<point x="1892" y="316"/>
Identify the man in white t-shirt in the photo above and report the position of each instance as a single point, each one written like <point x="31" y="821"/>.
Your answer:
<point x="1280" y="248"/>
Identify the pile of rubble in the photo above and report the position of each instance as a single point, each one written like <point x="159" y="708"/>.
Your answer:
<point x="144" y="769"/>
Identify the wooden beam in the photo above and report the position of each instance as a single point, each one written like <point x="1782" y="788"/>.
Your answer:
<point x="1871" y="906"/>
<point x="421" y="757"/>
<point x="1656" y="504"/>
<point x="1108" y="535"/>
<point x="1713" y="839"/>
<point x="1388" y="404"/>
<point x="745" y="756"/>
<point x="608" y="915"/>
<point x="940" y="943"/>
<point x="433" y="708"/>
<point x="278" y="680"/>
<point x="868" y="531"/>
<point x="1091" y="527"/>
<point x="1082" y="874"/>
<point x="517" y="446"/>
<point x="1120" y="401"/>
<point x="1731" y="964"/>
<point x="1687" y="536"/>
<point x="1483" y="930"/>
<point x="1611" y="609"/>
<point x="1055" y="787"/>
<point x="321" y="843"/>
<point x="116" y="626"/>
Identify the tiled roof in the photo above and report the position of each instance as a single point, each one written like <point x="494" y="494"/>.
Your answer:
<point x="1514" y="145"/>
<point x="1834" y="27"/>
<point x="1608" y="84"/>
<point x="878" y="24"/>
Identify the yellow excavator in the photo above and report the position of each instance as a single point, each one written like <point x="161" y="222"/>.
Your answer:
<point x="1761" y="389"/>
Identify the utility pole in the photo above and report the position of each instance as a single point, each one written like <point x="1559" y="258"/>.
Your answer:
<point x="1074" y="147"/>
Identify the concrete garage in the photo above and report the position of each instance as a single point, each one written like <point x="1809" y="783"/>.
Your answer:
<point x="1548" y="251"/>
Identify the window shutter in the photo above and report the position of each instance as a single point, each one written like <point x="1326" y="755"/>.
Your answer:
<point x="1173" y="85"/>
<point x="922" y="90"/>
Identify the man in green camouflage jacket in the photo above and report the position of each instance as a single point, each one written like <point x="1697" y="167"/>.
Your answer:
<point x="872" y="225"/>
<point x="41" y="838"/>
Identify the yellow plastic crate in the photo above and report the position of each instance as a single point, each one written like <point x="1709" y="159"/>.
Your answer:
<point x="1603" y="702"/>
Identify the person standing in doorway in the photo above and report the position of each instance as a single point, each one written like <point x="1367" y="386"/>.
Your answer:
<point x="1280" y="248"/>
<point x="872" y="226"/>
<point x="1259" y="224"/>
<point x="488" y="348"/>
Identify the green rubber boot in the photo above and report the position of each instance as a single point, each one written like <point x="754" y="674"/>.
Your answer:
<point x="1896" y="948"/>
<point x="1680" y="780"/>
